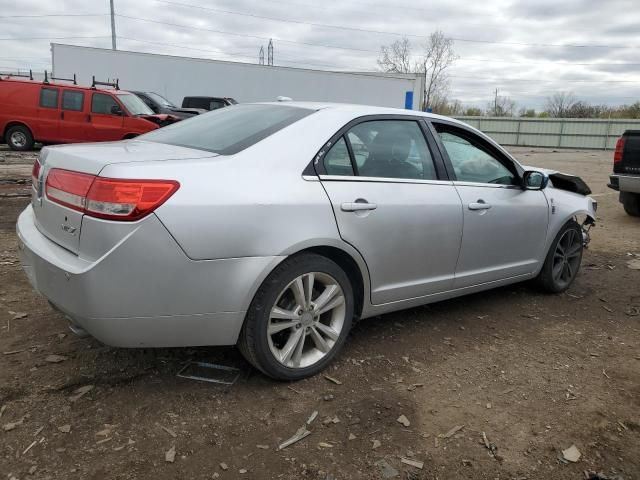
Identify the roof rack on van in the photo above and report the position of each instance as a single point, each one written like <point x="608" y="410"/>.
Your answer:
<point x="65" y="79"/>
<point x="30" y="76"/>
<point x="115" y="84"/>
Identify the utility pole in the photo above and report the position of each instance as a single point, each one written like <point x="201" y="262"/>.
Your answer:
<point x="495" y="104"/>
<point x="113" y="27"/>
<point x="261" y="56"/>
<point x="270" y="53"/>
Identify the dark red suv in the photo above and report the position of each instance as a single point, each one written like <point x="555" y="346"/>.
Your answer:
<point x="47" y="112"/>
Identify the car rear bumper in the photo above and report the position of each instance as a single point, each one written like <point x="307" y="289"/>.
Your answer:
<point x="625" y="183"/>
<point x="144" y="292"/>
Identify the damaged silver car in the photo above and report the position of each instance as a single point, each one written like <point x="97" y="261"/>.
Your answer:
<point x="274" y="226"/>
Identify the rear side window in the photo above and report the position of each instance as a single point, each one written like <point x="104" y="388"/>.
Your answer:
<point x="49" y="97"/>
<point x="72" y="100"/>
<point x="101" y="103"/>
<point x="215" y="104"/>
<point x="337" y="161"/>
<point x="229" y="130"/>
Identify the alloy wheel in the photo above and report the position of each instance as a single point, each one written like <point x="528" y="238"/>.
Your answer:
<point x="306" y="320"/>
<point x="566" y="258"/>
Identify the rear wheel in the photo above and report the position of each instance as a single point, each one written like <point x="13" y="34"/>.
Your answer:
<point x="19" y="138"/>
<point x="631" y="203"/>
<point x="299" y="319"/>
<point x="563" y="259"/>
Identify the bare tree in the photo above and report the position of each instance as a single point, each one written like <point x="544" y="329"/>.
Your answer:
<point x="501" y="106"/>
<point x="396" y="58"/>
<point x="560" y="104"/>
<point x="437" y="56"/>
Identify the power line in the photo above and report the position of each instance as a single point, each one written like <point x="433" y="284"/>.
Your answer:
<point x="57" y="15"/>
<point x="51" y="38"/>
<point x="386" y="32"/>
<point x="246" y="35"/>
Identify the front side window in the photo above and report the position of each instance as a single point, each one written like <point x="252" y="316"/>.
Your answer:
<point x="72" y="100"/>
<point x="215" y="104"/>
<point x="102" y="103"/>
<point x="472" y="163"/>
<point x="391" y="149"/>
<point x="337" y="160"/>
<point x="49" y="97"/>
<point x="228" y="130"/>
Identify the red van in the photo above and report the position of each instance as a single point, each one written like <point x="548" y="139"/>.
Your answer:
<point x="47" y="112"/>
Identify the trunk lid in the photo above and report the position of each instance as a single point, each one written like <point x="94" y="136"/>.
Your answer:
<point x="63" y="225"/>
<point x="630" y="163"/>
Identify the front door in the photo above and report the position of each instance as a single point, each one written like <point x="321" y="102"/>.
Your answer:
<point x="73" y="119"/>
<point x="391" y="205"/>
<point x="505" y="226"/>
<point x="104" y="125"/>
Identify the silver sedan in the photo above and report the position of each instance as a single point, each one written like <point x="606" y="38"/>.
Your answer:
<point x="275" y="226"/>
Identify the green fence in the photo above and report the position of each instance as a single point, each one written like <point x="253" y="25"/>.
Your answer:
<point x="598" y="134"/>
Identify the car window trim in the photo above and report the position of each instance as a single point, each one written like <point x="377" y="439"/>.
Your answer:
<point x="482" y="144"/>
<point x="349" y="178"/>
<point x="352" y="156"/>
<point x="115" y="99"/>
<point x="62" y="107"/>
<point x="53" y="89"/>
<point x="316" y="165"/>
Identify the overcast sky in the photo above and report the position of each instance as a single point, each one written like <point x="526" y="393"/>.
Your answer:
<point x="527" y="49"/>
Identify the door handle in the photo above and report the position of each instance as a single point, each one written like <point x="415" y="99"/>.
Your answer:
<point x="357" y="206"/>
<point x="62" y="115"/>
<point x="88" y="118"/>
<point x="479" y="205"/>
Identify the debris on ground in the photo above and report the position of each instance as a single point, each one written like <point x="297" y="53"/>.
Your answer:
<point x="403" y="420"/>
<point x="65" y="428"/>
<point x="352" y="436"/>
<point x="634" y="264"/>
<point x="452" y="432"/>
<point x="571" y="454"/>
<point x="170" y="455"/>
<point x="7" y="427"/>
<point x="376" y="444"/>
<point x="2" y="409"/>
<point x="55" y="358"/>
<point x="312" y="417"/>
<point x="329" y="420"/>
<point x="209" y="372"/>
<point x="413" y="463"/>
<point x="168" y="430"/>
<point x="80" y="392"/>
<point x="333" y="380"/>
<point x="328" y="398"/>
<point x="386" y="470"/>
<point x="224" y="466"/>
<point x="299" y="435"/>
<point x="325" y="445"/>
<point x="493" y="449"/>
<point x="18" y="315"/>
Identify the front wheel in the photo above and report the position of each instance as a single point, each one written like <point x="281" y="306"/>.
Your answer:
<point x="299" y="319"/>
<point x="563" y="260"/>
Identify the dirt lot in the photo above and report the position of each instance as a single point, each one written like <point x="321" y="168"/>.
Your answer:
<point x="536" y="373"/>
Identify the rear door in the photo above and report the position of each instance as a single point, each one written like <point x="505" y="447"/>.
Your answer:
<point x="505" y="226"/>
<point x="394" y="206"/>
<point x="104" y="125"/>
<point x="48" y="125"/>
<point x="73" y="119"/>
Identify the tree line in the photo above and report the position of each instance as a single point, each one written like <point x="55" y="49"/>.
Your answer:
<point x="436" y="56"/>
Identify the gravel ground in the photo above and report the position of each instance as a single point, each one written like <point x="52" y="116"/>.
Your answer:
<point x="534" y="373"/>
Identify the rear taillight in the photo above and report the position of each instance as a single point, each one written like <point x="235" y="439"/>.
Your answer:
<point x="35" y="173"/>
<point x="108" y="198"/>
<point x="617" y="155"/>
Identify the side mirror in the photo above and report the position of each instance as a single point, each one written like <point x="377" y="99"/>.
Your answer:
<point x="532" y="180"/>
<point x="116" y="110"/>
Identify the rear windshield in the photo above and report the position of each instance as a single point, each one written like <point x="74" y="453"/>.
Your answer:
<point x="228" y="130"/>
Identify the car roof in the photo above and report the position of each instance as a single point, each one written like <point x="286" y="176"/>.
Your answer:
<point x="359" y="110"/>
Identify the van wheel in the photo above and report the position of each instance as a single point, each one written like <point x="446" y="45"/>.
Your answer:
<point x="19" y="138"/>
<point x="299" y="319"/>
<point x="631" y="203"/>
<point x="563" y="260"/>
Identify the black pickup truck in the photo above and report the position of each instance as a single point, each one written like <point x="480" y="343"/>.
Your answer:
<point x="626" y="171"/>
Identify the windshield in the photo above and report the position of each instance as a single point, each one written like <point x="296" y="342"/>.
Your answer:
<point x="160" y="99"/>
<point x="134" y="105"/>
<point x="228" y="130"/>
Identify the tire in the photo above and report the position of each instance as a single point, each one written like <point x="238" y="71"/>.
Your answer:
<point x="19" y="138"/>
<point x="293" y="352"/>
<point x="631" y="203"/>
<point x="564" y="257"/>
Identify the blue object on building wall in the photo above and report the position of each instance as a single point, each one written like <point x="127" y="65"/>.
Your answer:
<point x="429" y="110"/>
<point x="408" y="100"/>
